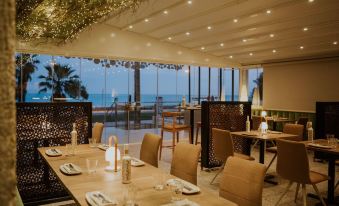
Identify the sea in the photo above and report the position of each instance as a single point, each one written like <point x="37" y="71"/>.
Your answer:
<point x="106" y="100"/>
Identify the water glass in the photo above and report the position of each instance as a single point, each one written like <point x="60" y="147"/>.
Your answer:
<point x="130" y="195"/>
<point x="176" y="188"/>
<point x="70" y="150"/>
<point x="331" y="140"/>
<point x="92" y="165"/>
<point x="92" y="142"/>
<point x="160" y="179"/>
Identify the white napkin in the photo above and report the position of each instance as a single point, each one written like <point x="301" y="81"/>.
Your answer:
<point x="97" y="198"/>
<point x="184" y="202"/>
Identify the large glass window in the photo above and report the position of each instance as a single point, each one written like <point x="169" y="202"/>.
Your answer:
<point x="255" y="80"/>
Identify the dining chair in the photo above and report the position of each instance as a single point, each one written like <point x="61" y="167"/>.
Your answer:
<point x="97" y="131"/>
<point x="185" y="162"/>
<point x="242" y="182"/>
<point x="174" y="127"/>
<point x="223" y="148"/>
<point x="293" y="165"/>
<point x="303" y="121"/>
<point x="296" y="129"/>
<point x="150" y="149"/>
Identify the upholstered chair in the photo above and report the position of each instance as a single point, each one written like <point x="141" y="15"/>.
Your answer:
<point x="97" y="131"/>
<point x="150" y="148"/>
<point x="185" y="162"/>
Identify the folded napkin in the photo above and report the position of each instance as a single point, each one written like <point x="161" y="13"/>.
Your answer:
<point x="184" y="202"/>
<point x="70" y="169"/>
<point x="53" y="152"/>
<point x="97" y="198"/>
<point x="136" y="162"/>
<point x="103" y="146"/>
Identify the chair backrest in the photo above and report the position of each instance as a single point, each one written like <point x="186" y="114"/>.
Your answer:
<point x="97" y="131"/>
<point x="173" y="115"/>
<point x="256" y="121"/>
<point x="242" y="182"/>
<point x="292" y="162"/>
<point x="296" y="129"/>
<point x="185" y="162"/>
<point x="303" y="121"/>
<point x="150" y="148"/>
<point x="222" y="144"/>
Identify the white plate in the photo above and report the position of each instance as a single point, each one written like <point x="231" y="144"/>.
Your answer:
<point x="188" y="189"/>
<point x="66" y="169"/>
<point x="320" y="145"/>
<point x="53" y="152"/>
<point x="136" y="162"/>
<point x="94" y="201"/>
<point x="103" y="146"/>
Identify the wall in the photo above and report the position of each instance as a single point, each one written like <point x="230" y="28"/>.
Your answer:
<point x="296" y="86"/>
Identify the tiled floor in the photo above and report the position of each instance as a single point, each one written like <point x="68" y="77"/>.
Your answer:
<point x="271" y="193"/>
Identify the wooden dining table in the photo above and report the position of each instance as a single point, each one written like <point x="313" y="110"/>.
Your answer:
<point x="110" y="183"/>
<point x="331" y="155"/>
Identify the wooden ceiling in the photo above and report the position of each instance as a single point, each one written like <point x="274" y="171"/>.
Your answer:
<point x="246" y="31"/>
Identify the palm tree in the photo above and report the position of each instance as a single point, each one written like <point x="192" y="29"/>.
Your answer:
<point x="62" y="82"/>
<point x="25" y="67"/>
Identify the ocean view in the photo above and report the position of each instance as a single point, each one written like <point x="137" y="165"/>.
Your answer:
<point x="106" y="100"/>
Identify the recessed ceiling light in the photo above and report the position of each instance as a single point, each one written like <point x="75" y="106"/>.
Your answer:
<point x="169" y="38"/>
<point x="310" y="1"/>
<point x="202" y="48"/>
<point x="165" y="12"/>
<point x="335" y="42"/>
<point x="271" y="35"/>
<point x="148" y="44"/>
<point x="187" y="33"/>
<point x="235" y="20"/>
<point x="305" y="29"/>
<point x="189" y="2"/>
<point x="209" y="27"/>
<point x="301" y="47"/>
<point x="231" y="57"/>
<point x="221" y="44"/>
<point x="274" y="51"/>
<point x="146" y="20"/>
<point x="130" y="26"/>
<point x="251" y="54"/>
<point x="244" y="40"/>
<point x="268" y="11"/>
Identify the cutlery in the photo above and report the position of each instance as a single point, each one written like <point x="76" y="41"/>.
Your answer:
<point x="70" y="166"/>
<point x="54" y="151"/>
<point x="187" y="188"/>
<point x="101" y="198"/>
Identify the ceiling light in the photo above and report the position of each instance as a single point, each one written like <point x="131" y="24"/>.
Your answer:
<point x="335" y="42"/>
<point x="310" y="1"/>
<point x="148" y="44"/>
<point x="274" y="51"/>
<point x="235" y="20"/>
<point x="189" y="2"/>
<point x="268" y="11"/>
<point x="231" y="57"/>
<point x="187" y="33"/>
<point x="271" y="35"/>
<point x="146" y="20"/>
<point x="165" y="12"/>
<point x="202" y="48"/>
<point x="305" y="29"/>
<point x="301" y="47"/>
<point x="221" y="44"/>
<point x="244" y="40"/>
<point x="169" y="38"/>
<point x="254" y="15"/>
<point x="209" y="27"/>
<point x="130" y="26"/>
<point x="251" y="54"/>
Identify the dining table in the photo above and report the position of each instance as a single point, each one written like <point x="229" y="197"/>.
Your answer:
<point x="110" y="183"/>
<point x="192" y="110"/>
<point x="331" y="155"/>
<point x="275" y="121"/>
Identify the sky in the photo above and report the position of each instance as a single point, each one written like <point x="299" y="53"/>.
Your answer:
<point x="120" y="80"/>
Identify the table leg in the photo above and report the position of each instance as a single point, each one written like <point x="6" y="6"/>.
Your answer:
<point x="192" y="124"/>
<point x="262" y="151"/>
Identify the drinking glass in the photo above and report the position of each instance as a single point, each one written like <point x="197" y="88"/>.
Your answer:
<point x="92" y="142"/>
<point x="92" y="165"/>
<point x="160" y="179"/>
<point x="332" y="141"/>
<point x="130" y="195"/>
<point x="176" y="188"/>
<point x="70" y="150"/>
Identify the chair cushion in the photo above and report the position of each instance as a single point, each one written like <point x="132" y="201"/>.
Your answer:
<point x="177" y="126"/>
<point x="316" y="177"/>
<point x="272" y="149"/>
<point x="245" y="157"/>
